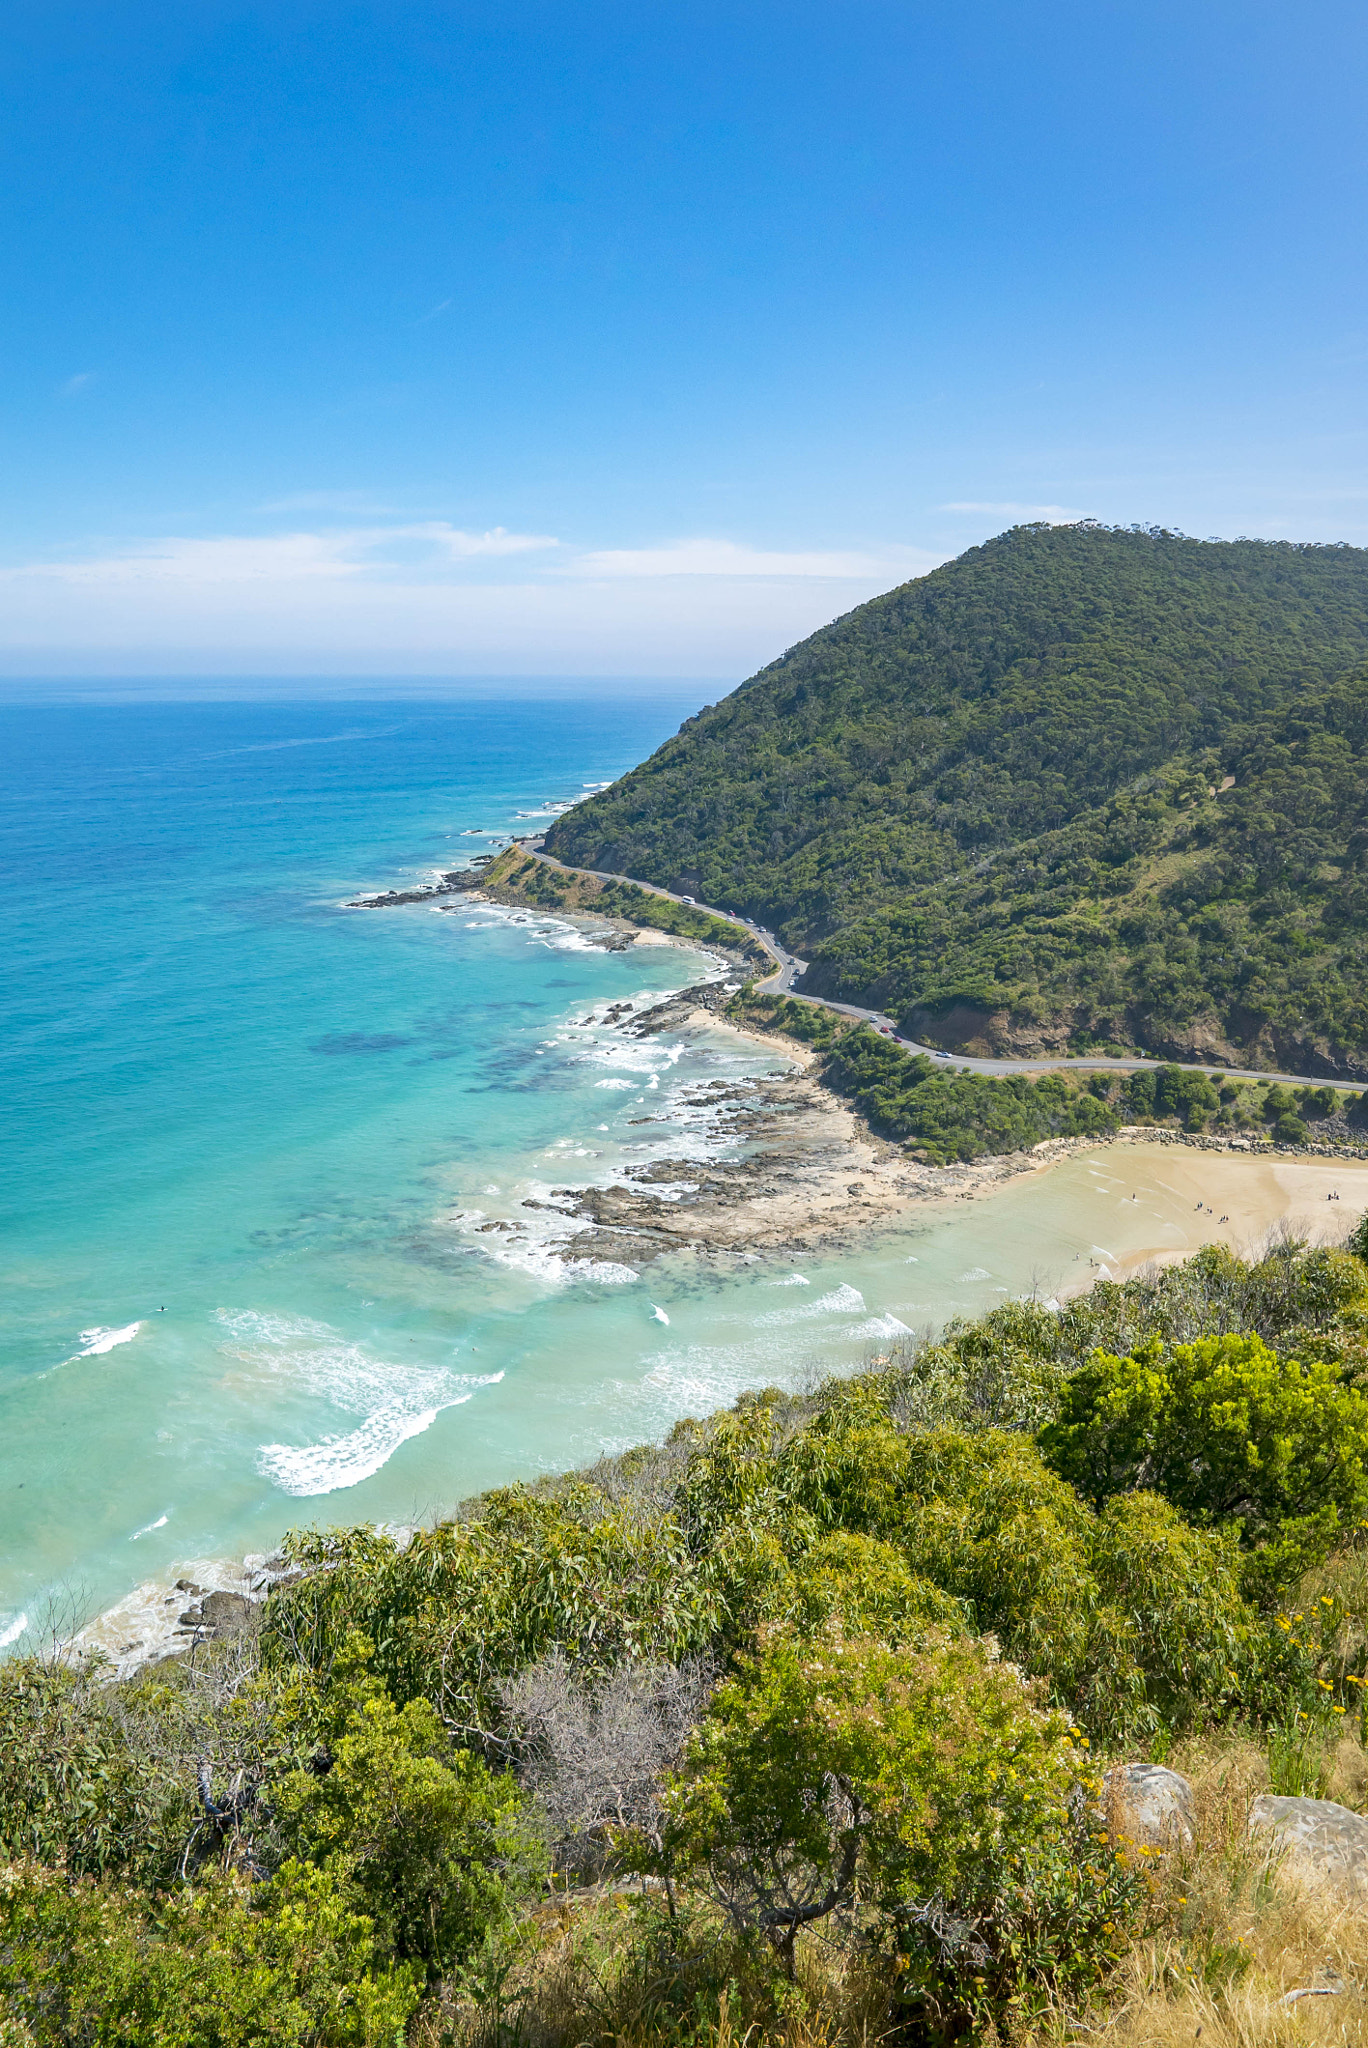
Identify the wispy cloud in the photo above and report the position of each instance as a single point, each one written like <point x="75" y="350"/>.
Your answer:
<point x="80" y="382"/>
<point x="703" y="557"/>
<point x="497" y="541"/>
<point x="427" y="596"/>
<point x="1011" y="510"/>
<point x="288" y="558"/>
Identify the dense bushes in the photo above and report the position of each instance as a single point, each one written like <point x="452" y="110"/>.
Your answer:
<point x="948" y="1113"/>
<point x="297" y="1967"/>
<point x="1225" y="1429"/>
<point x="427" y="1842"/>
<point x="825" y="1663"/>
<point x="835" y="1770"/>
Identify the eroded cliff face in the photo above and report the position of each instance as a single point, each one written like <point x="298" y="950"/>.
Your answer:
<point x="980" y="1033"/>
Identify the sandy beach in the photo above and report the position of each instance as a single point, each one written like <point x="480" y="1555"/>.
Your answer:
<point x="1238" y="1199"/>
<point x="808" y="1173"/>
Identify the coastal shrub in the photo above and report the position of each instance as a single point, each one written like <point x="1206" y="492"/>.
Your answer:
<point x="926" y="1783"/>
<point x="988" y="1522"/>
<point x="958" y="1115"/>
<point x="1331" y="1283"/>
<point x="1136" y="1617"/>
<point x="1003" y="1371"/>
<point x="294" y="1966"/>
<point x="847" y="1468"/>
<point x="1184" y="1627"/>
<point x="427" y="1842"/>
<point x="866" y="1587"/>
<point x="1227" y="1430"/>
<point x="812" y="1023"/>
<point x="73" y="1790"/>
<point x="468" y="1603"/>
<point x="1162" y="1093"/>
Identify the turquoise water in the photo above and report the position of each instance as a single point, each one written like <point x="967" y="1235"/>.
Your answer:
<point x="252" y="1138"/>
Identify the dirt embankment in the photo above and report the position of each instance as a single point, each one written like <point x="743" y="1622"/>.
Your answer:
<point x="973" y="1032"/>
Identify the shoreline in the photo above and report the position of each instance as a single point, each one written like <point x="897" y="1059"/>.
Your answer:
<point x="805" y="1173"/>
<point x="1245" y="1201"/>
<point x="809" y="1173"/>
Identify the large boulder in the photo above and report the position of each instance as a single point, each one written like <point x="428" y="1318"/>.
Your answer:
<point x="1155" y="1805"/>
<point x="227" y="1611"/>
<point x="220" y="1614"/>
<point x="1320" y="1838"/>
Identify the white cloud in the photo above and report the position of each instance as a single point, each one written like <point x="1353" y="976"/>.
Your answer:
<point x="1059" y="514"/>
<point x="72" y="385"/>
<point x="425" y="597"/>
<point x="288" y="558"/>
<point x="240" y="559"/>
<point x="702" y="557"/>
<point x="497" y="541"/>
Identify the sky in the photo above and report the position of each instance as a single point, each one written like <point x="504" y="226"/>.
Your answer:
<point x="642" y="339"/>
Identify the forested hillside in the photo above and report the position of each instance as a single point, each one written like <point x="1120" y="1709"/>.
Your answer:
<point x="1081" y="785"/>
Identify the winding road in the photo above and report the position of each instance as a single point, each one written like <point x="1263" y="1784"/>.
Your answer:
<point x="788" y="968"/>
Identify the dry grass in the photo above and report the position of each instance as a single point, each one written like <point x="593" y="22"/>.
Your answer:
<point x="1236" y="1931"/>
<point x="1232" y="1931"/>
<point x="581" y="1980"/>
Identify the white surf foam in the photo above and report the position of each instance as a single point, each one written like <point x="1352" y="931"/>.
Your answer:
<point x="160" y="1523"/>
<point x="976" y="1273"/>
<point x="340" y="1461"/>
<point x="881" y="1326"/>
<point x="394" y="1401"/>
<point x="792" y="1280"/>
<point x="842" y="1301"/>
<point x="12" y="1630"/>
<point x="99" y="1340"/>
<point x="606" y="1271"/>
<point x="659" y="1314"/>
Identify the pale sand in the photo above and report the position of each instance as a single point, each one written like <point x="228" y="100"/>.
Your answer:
<point x="839" y="1181"/>
<point x="1257" y="1196"/>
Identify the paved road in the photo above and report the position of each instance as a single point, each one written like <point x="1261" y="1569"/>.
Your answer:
<point x="788" y="969"/>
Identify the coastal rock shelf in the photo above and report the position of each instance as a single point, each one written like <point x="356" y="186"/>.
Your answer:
<point x="222" y="1598"/>
<point x="452" y="884"/>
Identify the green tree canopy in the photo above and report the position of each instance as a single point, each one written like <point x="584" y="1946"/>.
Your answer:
<point x="1224" y="1428"/>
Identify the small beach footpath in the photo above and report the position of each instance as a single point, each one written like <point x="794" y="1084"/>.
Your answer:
<point x="1016" y="1683"/>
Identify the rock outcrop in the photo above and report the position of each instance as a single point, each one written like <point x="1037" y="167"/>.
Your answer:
<point x="1155" y="1805"/>
<point x="1319" y="1837"/>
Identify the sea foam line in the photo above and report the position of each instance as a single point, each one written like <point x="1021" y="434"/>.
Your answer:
<point x="393" y="1401"/>
<point x="99" y="1340"/>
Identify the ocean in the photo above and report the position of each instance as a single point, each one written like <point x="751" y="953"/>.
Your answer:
<point x="255" y="1142"/>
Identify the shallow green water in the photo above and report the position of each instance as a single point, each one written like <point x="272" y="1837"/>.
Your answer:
<point x="252" y="1135"/>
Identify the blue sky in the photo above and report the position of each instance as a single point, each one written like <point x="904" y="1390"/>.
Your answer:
<point x="643" y="339"/>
